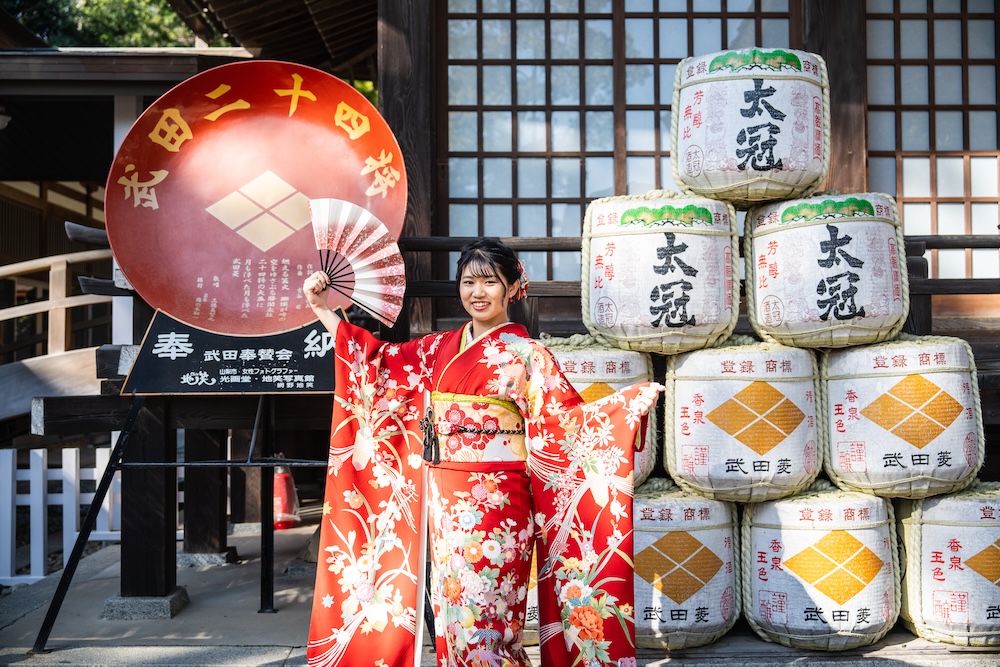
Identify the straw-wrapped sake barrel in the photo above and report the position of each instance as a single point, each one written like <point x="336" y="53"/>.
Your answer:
<point x="951" y="585"/>
<point x="826" y="271"/>
<point x="903" y="418"/>
<point x="686" y="554"/>
<point x="660" y="272"/>
<point x="740" y="420"/>
<point x="530" y="635"/>
<point x="596" y="370"/>
<point x="819" y="569"/>
<point x="751" y="125"/>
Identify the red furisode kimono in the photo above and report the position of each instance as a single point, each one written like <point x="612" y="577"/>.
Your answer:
<point x="515" y="457"/>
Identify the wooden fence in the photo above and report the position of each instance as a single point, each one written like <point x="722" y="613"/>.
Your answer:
<point x="38" y="476"/>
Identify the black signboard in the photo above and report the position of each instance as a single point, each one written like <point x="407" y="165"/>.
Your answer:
<point x="179" y="359"/>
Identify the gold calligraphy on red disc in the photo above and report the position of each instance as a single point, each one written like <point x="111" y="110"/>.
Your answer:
<point x="207" y="201"/>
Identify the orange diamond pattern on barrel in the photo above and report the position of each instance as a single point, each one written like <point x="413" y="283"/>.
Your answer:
<point x="759" y="416"/>
<point x="914" y="409"/>
<point x="677" y="565"/>
<point x="596" y="391"/>
<point x="987" y="562"/>
<point x="838" y="565"/>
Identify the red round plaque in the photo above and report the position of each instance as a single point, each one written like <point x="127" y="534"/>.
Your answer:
<point x="207" y="202"/>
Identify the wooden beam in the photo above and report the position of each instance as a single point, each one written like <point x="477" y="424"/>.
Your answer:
<point x="406" y="85"/>
<point x="149" y="502"/>
<point x="51" y="305"/>
<point x="84" y="234"/>
<point x="448" y="243"/>
<point x="954" y="285"/>
<point x="72" y="415"/>
<point x="43" y="263"/>
<point x="204" y="493"/>
<point x="833" y="29"/>
<point x="244" y="500"/>
<point x="58" y="283"/>
<point x="103" y="287"/>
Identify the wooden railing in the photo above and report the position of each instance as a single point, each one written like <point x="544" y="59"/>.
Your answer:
<point x="59" y="301"/>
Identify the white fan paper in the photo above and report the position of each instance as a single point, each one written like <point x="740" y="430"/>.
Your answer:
<point x="360" y="256"/>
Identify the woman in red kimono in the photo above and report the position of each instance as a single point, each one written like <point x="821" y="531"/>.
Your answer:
<point x="481" y="423"/>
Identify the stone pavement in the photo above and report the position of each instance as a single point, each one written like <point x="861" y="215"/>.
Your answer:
<point x="221" y="626"/>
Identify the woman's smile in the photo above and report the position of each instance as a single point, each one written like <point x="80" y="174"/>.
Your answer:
<point x="485" y="298"/>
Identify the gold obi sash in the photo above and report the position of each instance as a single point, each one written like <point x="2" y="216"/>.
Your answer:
<point x="472" y="429"/>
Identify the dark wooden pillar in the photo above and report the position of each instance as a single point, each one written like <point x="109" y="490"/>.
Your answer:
<point x="918" y="320"/>
<point x="405" y="88"/>
<point x="149" y="507"/>
<point x="835" y="30"/>
<point x="244" y="483"/>
<point x="204" y="493"/>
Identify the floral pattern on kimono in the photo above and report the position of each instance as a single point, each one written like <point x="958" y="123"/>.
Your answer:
<point x="480" y="495"/>
<point x="481" y="510"/>
<point x="481" y="554"/>
<point x="582" y="482"/>
<point x="369" y="573"/>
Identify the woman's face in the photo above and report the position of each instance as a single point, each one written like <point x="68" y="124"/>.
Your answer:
<point x="485" y="298"/>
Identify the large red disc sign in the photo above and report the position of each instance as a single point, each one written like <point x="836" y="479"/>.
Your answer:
<point x="207" y="202"/>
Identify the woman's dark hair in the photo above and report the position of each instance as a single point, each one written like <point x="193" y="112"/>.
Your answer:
<point x="489" y="257"/>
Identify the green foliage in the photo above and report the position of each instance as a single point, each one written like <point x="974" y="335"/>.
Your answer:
<point x="132" y="23"/>
<point x="108" y="23"/>
<point x="52" y="20"/>
<point x="367" y="88"/>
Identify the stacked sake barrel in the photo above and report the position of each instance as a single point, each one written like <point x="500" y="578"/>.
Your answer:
<point x="951" y="590"/>
<point x="660" y="272"/>
<point x="820" y="568"/>
<point x="831" y="387"/>
<point x="751" y="125"/>
<point x="686" y="549"/>
<point x="741" y="420"/>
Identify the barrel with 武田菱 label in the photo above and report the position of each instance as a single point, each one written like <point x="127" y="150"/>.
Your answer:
<point x="686" y="553"/>
<point x="904" y="418"/>
<point x="750" y="125"/>
<point x="951" y="578"/>
<point x="740" y="420"/>
<point x="820" y="569"/>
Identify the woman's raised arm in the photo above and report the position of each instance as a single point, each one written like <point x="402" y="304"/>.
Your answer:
<point x="316" y="290"/>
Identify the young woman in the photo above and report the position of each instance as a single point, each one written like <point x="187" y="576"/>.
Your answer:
<point x="476" y="433"/>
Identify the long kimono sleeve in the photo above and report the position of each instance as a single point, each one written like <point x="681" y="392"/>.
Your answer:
<point x="581" y="462"/>
<point x="368" y="572"/>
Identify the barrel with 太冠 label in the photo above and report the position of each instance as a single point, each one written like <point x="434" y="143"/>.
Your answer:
<point x="951" y="582"/>
<point x="686" y="554"/>
<point x="660" y="272"/>
<point x="904" y="418"/>
<point x="741" y="420"/>
<point x="826" y="271"/>
<point x="820" y="569"/>
<point x="751" y="125"/>
<point x="597" y="370"/>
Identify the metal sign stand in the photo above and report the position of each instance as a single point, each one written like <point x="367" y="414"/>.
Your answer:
<point x="88" y="525"/>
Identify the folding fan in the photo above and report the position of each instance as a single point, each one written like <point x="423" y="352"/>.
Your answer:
<point x="360" y="256"/>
